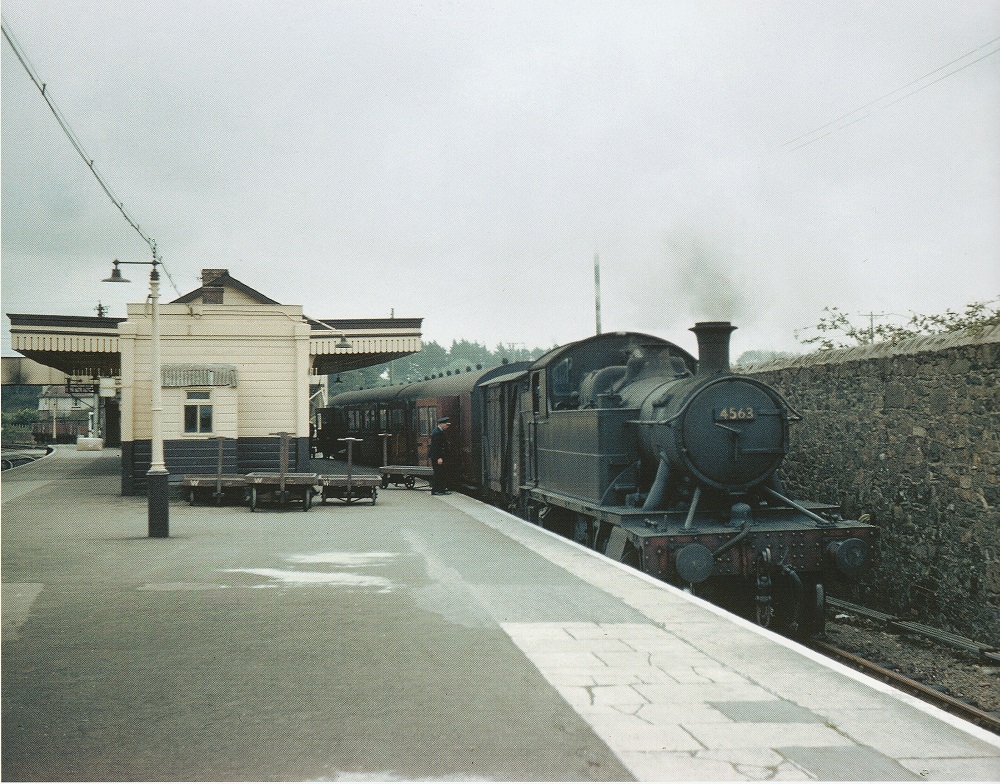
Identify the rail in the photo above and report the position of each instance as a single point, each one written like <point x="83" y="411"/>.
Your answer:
<point x="987" y="653"/>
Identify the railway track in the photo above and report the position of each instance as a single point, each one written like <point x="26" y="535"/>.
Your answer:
<point x="933" y="695"/>
<point x="986" y="653"/>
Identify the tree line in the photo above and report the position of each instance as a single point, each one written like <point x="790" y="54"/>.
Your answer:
<point x="433" y="359"/>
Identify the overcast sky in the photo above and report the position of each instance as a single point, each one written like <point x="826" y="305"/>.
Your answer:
<point x="465" y="161"/>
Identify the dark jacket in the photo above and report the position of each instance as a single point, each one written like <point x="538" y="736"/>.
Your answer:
<point x="438" y="446"/>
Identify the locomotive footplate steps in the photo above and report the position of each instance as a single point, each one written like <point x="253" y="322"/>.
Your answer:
<point x="404" y="475"/>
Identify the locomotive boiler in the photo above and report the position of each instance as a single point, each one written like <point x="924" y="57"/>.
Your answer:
<point x="627" y="444"/>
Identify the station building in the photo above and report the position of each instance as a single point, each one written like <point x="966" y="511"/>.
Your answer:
<point x="238" y="369"/>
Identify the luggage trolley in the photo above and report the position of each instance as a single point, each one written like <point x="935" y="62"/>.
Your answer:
<point x="282" y="485"/>
<point x="348" y="487"/>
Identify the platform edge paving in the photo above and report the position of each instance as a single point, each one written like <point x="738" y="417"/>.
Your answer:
<point x="662" y="715"/>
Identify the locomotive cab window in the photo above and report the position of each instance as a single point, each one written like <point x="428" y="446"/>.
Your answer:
<point x="198" y="411"/>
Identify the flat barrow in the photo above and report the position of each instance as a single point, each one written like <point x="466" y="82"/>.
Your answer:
<point x="348" y="488"/>
<point x="283" y="488"/>
<point x="217" y="486"/>
<point x="405" y="475"/>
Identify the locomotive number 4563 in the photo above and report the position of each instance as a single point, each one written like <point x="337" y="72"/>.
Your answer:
<point x="734" y="414"/>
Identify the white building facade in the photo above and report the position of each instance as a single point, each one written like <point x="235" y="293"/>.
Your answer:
<point x="236" y="366"/>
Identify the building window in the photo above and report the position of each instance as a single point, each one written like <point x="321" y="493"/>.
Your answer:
<point x="198" y="412"/>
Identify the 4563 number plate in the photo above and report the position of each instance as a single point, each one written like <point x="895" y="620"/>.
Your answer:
<point x="733" y="414"/>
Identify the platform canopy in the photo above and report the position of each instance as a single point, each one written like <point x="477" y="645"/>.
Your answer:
<point x="372" y="342"/>
<point x="79" y="346"/>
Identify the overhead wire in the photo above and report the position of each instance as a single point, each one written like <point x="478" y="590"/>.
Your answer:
<point x="78" y="146"/>
<point x="879" y="100"/>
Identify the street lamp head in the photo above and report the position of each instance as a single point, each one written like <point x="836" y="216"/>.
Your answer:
<point x="116" y="275"/>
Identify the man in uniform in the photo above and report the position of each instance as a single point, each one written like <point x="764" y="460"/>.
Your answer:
<point x="439" y="460"/>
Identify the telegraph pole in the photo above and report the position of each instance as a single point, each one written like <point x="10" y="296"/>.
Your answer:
<point x="597" y="291"/>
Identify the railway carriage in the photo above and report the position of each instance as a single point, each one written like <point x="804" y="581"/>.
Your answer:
<point x="407" y="413"/>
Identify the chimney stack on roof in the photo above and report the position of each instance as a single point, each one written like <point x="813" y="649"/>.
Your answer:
<point x="209" y="275"/>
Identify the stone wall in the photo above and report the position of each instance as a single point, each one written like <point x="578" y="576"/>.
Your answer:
<point x="910" y="435"/>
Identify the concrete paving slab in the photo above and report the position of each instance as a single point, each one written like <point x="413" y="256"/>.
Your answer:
<point x="847" y="764"/>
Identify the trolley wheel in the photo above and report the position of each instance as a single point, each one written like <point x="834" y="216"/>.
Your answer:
<point x="374" y="495"/>
<point x="191" y="497"/>
<point x="385" y="481"/>
<point x="307" y="499"/>
<point x="410" y="482"/>
<point x="253" y="498"/>
<point x="284" y="496"/>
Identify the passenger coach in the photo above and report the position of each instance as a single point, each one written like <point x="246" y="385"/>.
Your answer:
<point x="395" y="423"/>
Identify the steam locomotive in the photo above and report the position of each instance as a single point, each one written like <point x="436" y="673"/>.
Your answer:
<point x="625" y="443"/>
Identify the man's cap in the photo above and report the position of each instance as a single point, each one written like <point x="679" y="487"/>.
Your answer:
<point x="444" y="421"/>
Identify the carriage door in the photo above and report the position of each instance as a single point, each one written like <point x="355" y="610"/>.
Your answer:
<point x="533" y="414"/>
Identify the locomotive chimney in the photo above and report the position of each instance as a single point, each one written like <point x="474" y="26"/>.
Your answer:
<point x="713" y="346"/>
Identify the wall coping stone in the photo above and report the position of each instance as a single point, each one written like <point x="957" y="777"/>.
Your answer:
<point x="915" y="345"/>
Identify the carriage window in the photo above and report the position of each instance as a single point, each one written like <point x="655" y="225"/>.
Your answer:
<point x="198" y="412"/>
<point x="536" y="392"/>
<point x="382" y="419"/>
<point x="432" y="417"/>
<point x="423" y="421"/>
<point x="397" y="419"/>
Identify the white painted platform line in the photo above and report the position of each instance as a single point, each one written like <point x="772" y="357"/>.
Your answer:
<point x="652" y="699"/>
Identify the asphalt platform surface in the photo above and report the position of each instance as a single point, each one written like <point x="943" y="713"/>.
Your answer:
<point x="418" y="638"/>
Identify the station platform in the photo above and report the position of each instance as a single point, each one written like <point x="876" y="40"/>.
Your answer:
<point x="420" y="638"/>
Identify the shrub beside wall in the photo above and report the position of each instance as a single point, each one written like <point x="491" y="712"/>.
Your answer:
<point x="909" y="434"/>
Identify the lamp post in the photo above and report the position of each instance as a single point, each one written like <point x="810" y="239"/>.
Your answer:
<point x="157" y="484"/>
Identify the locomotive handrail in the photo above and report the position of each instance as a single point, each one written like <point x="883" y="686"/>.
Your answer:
<point x="798" y="507"/>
